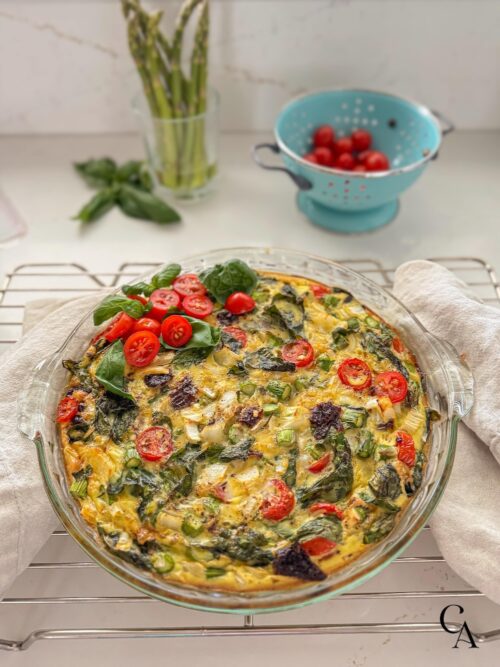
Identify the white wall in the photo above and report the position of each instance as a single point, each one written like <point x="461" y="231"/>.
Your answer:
<point x="64" y="65"/>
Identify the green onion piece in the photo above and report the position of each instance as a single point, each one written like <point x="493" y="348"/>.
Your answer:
<point x="361" y="512"/>
<point x="353" y="324"/>
<point x="300" y="384"/>
<point x="274" y="341"/>
<point x="339" y="339"/>
<point x="285" y="437"/>
<point x="213" y="572"/>
<point x="192" y="525"/>
<point x="234" y="434"/>
<point x="366" y="446"/>
<point x="386" y="452"/>
<point x="354" y="417"/>
<point x="281" y="390"/>
<point x="372" y="322"/>
<point x="270" y="408"/>
<point x="324" y="362"/>
<point x="162" y="562"/>
<point x="260" y="297"/>
<point x="330" y="301"/>
<point x="78" y="489"/>
<point x="248" y="388"/>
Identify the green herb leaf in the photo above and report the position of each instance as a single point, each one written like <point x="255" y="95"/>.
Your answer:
<point x="233" y="276"/>
<point x="100" y="204"/>
<point x="114" y="304"/>
<point x="164" y="278"/>
<point x="144" y="205"/>
<point x="97" y="173"/>
<point x="111" y="370"/>
<point x="203" y="336"/>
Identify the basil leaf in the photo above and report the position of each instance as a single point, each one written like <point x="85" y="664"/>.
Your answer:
<point x="100" y="204"/>
<point x="97" y="173"/>
<point x="130" y="172"/>
<point x="136" y="288"/>
<point x="163" y="278"/>
<point x="110" y="372"/>
<point x="114" y="304"/>
<point x="203" y="336"/>
<point x="144" y="205"/>
<point x="233" y="276"/>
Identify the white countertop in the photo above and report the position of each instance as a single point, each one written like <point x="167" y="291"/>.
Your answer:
<point x="451" y="211"/>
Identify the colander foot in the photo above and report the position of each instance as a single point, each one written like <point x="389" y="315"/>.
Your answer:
<point x="347" y="222"/>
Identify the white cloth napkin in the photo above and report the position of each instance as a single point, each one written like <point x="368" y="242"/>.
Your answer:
<point x="466" y="522"/>
<point x="26" y="516"/>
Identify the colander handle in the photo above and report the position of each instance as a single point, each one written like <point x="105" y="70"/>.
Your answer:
<point x="300" y="181"/>
<point x="446" y="124"/>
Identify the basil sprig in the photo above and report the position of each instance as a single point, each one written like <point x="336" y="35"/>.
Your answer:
<point x="163" y="278"/>
<point x="222" y="280"/>
<point x="204" y="336"/>
<point x="128" y="186"/>
<point x="111" y="371"/>
<point x="114" y="304"/>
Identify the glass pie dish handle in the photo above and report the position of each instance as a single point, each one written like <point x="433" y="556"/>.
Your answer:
<point x="460" y="379"/>
<point x="31" y="407"/>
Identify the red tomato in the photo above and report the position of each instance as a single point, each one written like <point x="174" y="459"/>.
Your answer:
<point x="327" y="508"/>
<point x="219" y="491"/>
<point x="147" y="324"/>
<point x="344" y="145"/>
<point x="397" y="344"/>
<point x="320" y="464"/>
<point x="324" y="136"/>
<point x="300" y="353"/>
<point x="361" y="139"/>
<point x="138" y="297"/>
<point x="363" y="155"/>
<point x="391" y="384"/>
<point x="278" y="505"/>
<point x="376" y="161"/>
<point x="239" y="303"/>
<point x="163" y="300"/>
<point x="189" y="284"/>
<point x="360" y="168"/>
<point x="320" y="290"/>
<point x="154" y="444"/>
<point x="310" y="157"/>
<point x="119" y="327"/>
<point x="141" y="348"/>
<point x="345" y="161"/>
<point x="406" y="448"/>
<point x="67" y="409"/>
<point x="237" y="333"/>
<point x="324" y="156"/>
<point x="318" y="546"/>
<point x="176" y="330"/>
<point x="355" y="373"/>
<point x="197" y="305"/>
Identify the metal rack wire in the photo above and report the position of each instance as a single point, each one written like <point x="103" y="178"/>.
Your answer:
<point x="67" y="280"/>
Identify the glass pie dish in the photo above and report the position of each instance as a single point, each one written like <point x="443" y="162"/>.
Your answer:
<point x="449" y="390"/>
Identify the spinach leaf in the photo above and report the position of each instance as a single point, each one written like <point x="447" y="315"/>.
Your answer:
<point x="135" y="553"/>
<point x="164" y="278"/>
<point x="114" y="304"/>
<point x="325" y="526"/>
<point x="97" y="173"/>
<point x="114" y="415"/>
<point x="234" y="275"/>
<point x="385" y="482"/>
<point x="97" y="206"/>
<point x="242" y="544"/>
<point x="84" y="378"/>
<point x="144" y="205"/>
<point x="110" y="372"/>
<point x="265" y="360"/>
<point x="289" y="311"/>
<point x="240" y="450"/>
<point x="379" y="345"/>
<point x="204" y="336"/>
<point x="186" y="358"/>
<point x="142" y="482"/>
<point x="418" y="469"/>
<point x="379" y="528"/>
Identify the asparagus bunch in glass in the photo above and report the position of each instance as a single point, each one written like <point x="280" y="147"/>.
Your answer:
<point x="177" y="100"/>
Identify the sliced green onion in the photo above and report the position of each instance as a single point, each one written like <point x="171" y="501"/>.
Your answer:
<point x="281" y="390"/>
<point x="366" y="446"/>
<point x="270" y="408"/>
<point x="248" y="388"/>
<point x="386" y="452"/>
<point x="330" y="301"/>
<point x="339" y="338"/>
<point x="353" y="324"/>
<point x="324" y="362"/>
<point x="79" y="488"/>
<point x="234" y="434"/>
<point x="192" y="525"/>
<point x="372" y="322"/>
<point x="162" y="562"/>
<point x="213" y="572"/>
<point x="354" y="417"/>
<point x="285" y="437"/>
<point x="361" y="512"/>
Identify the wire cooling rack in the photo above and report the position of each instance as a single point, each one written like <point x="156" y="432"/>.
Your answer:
<point x="69" y="568"/>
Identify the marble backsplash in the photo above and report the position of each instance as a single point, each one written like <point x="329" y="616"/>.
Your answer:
<point x="64" y="65"/>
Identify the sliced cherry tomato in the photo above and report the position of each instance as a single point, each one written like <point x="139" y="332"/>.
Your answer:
<point x="345" y="161"/>
<point x="236" y="333"/>
<point x="176" y="330"/>
<point x="239" y="303"/>
<point x="138" y="297"/>
<point x="327" y="508"/>
<point x="318" y="546"/>
<point x="310" y="157"/>
<point x="219" y="491"/>
<point x="321" y="463"/>
<point x="406" y="448"/>
<point x="391" y="384"/>
<point x="397" y="344"/>
<point x="355" y="373"/>
<point x="154" y="444"/>
<point x="320" y="290"/>
<point x="163" y="301"/>
<point x="141" y="348"/>
<point x="119" y="327"/>
<point x="197" y="305"/>
<point x="147" y="324"/>
<point x="376" y="161"/>
<point x="278" y="505"/>
<point x="189" y="284"/>
<point x="325" y="156"/>
<point x="300" y="353"/>
<point x="67" y="409"/>
<point x="324" y="136"/>
<point x="361" y="140"/>
<point x="344" y="145"/>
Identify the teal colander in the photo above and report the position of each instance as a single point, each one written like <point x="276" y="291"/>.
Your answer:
<point x="408" y="133"/>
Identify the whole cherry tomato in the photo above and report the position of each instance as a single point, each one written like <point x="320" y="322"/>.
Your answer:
<point x="239" y="303"/>
<point x="324" y="136"/>
<point x="324" y="156"/>
<point x="345" y="161"/>
<point x="360" y="168"/>
<point x="376" y="161"/>
<point x="344" y="145"/>
<point x="310" y="157"/>
<point x="361" y="139"/>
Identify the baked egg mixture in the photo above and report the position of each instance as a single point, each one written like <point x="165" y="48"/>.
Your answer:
<point x="242" y="430"/>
